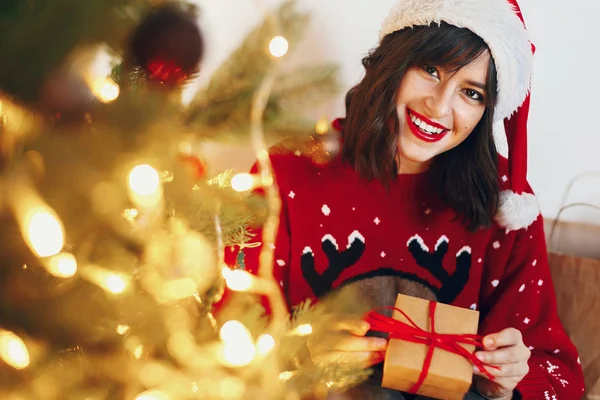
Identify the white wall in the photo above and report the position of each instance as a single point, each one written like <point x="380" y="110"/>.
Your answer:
<point x="565" y="113"/>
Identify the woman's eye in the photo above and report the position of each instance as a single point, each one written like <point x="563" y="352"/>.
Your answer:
<point x="430" y="70"/>
<point x="475" y="95"/>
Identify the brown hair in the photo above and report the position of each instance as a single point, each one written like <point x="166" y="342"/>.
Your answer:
<point x="467" y="175"/>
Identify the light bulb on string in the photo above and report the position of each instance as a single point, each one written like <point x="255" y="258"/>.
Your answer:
<point x="110" y="281"/>
<point x="44" y="232"/>
<point x="13" y="350"/>
<point x="62" y="265"/>
<point x="265" y="343"/>
<point x="302" y="330"/>
<point x="242" y="182"/>
<point x="322" y="127"/>
<point x="153" y="395"/>
<point x="278" y="46"/>
<point x="105" y="89"/>
<point x="144" y="180"/>
<point x="238" y="280"/>
<point x="145" y="188"/>
<point x="238" y="348"/>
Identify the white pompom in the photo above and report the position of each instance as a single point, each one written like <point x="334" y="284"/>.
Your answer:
<point x="517" y="211"/>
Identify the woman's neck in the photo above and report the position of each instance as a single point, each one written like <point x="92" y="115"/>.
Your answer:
<point x="406" y="166"/>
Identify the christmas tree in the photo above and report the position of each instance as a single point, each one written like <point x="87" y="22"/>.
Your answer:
<point x="113" y="227"/>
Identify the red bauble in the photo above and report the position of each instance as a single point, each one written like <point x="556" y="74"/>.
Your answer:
<point x="196" y="165"/>
<point x="168" y="45"/>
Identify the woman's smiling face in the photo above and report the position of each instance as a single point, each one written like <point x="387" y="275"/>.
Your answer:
<point x="438" y="110"/>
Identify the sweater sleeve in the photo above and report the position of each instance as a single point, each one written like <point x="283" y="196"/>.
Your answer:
<point x="517" y="291"/>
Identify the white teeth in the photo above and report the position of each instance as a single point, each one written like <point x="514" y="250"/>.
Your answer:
<point x="425" y="127"/>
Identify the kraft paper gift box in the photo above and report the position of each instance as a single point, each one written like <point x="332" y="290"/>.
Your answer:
<point x="449" y="375"/>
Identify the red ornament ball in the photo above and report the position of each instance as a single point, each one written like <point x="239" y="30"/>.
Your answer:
<point x="168" y="44"/>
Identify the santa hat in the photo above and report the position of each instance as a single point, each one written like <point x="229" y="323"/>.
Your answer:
<point x="500" y="24"/>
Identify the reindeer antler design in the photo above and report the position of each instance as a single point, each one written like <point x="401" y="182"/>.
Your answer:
<point x="338" y="261"/>
<point x="453" y="284"/>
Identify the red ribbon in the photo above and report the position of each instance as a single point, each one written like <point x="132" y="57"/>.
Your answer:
<point x="411" y="332"/>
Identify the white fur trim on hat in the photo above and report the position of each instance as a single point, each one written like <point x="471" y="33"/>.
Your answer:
<point x="496" y="22"/>
<point x="517" y="211"/>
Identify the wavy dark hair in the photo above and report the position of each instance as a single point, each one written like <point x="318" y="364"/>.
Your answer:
<point x="466" y="175"/>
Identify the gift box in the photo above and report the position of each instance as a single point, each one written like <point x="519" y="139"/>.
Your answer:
<point x="434" y="362"/>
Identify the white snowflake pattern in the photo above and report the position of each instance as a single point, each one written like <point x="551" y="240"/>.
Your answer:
<point x="526" y="320"/>
<point x="321" y="225"/>
<point x="281" y="283"/>
<point x="291" y="195"/>
<point x="495" y="282"/>
<point x="504" y="178"/>
<point x="547" y="396"/>
<point x="479" y="261"/>
<point x="540" y="282"/>
<point x="553" y="371"/>
<point x="496" y="245"/>
<point x="522" y="288"/>
<point x="551" y="367"/>
<point x="534" y="263"/>
<point x="556" y="351"/>
<point x="377" y="221"/>
<point x="531" y="348"/>
<point x="383" y="254"/>
<point x="353" y="208"/>
<point x="325" y="210"/>
<point x="281" y="263"/>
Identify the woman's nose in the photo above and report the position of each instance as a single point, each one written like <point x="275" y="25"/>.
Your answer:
<point x="439" y="102"/>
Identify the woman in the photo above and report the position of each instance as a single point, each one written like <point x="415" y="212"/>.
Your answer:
<point x="421" y="203"/>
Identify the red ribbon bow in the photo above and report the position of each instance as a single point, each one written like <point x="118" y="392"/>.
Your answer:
<point x="411" y="332"/>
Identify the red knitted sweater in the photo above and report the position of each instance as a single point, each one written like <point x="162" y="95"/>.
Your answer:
<point x="337" y="228"/>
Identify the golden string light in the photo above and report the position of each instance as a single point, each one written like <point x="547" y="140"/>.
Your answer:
<point x="144" y="180"/>
<point x="238" y="348"/>
<point x="105" y="89"/>
<point x="13" y="350"/>
<point x="145" y="187"/>
<point x="107" y="280"/>
<point x="242" y="182"/>
<point x="62" y="265"/>
<point x="238" y="280"/>
<point x="302" y="330"/>
<point x="265" y="343"/>
<point x="153" y="395"/>
<point x="278" y="46"/>
<point x="44" y="232"/>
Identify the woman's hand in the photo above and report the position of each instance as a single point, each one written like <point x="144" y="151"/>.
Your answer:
<point x="506" y="351"/>
<point x="345" y="342"/>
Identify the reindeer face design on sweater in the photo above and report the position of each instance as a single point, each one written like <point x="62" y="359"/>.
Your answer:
<point x="376" y="283"/>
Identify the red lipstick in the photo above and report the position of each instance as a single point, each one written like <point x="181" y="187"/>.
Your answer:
<point x="425" y="136"/>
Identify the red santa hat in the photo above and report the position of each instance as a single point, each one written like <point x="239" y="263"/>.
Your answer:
<point x="500" y="24"/>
